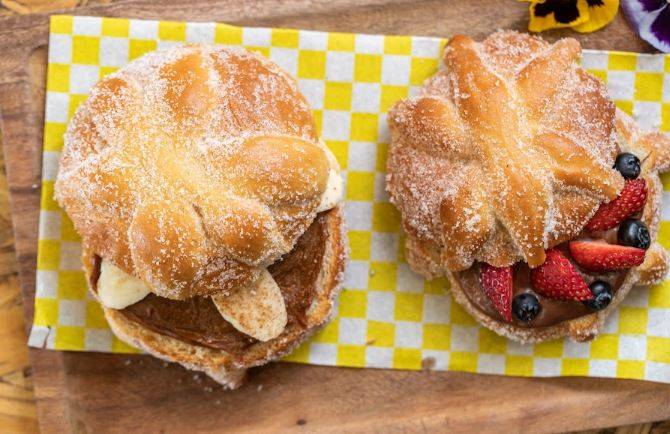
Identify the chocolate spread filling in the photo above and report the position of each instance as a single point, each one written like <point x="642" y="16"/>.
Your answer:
<point x="552" y="311"/>
<point x="197" y="321"/>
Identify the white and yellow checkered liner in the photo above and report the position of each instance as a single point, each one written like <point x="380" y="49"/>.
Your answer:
<point x="387" y="316"/>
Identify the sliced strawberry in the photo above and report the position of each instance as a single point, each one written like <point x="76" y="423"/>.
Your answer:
<point x="595" y="256"/>
<point x="497" y="284"/>
<point x="557" y="278"/>
<point x="630" y="200"/>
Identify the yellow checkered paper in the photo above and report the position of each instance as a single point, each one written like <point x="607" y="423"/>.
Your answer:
<point x="387" y="316"/>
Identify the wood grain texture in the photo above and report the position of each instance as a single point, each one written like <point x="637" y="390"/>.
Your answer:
<point x="35" y="6"/>
<point x="17" y="404"/>
<point x="90" y="392"/>
<point x="645" y="428"/>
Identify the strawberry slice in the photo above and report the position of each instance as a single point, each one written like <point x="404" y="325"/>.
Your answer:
<point x="557" y="278"/>
<point x="630" y="200"/>
<point x="497" y="284"/>
<point x="595" y="256"/>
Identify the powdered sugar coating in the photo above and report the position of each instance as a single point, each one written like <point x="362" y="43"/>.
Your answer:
<point x="193" y="168"/>
<point x="504" y="153"/>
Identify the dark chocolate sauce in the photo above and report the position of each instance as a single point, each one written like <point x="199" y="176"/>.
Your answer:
<point x="197" y="320"/>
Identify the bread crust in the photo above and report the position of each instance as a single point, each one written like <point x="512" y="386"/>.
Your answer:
<point x="193" y="168"/>
<point x="504" y="153"/>
<point x="218" y="364"/>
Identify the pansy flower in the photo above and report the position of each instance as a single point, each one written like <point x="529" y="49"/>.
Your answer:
<point x="581" y="15"/>
<point x="651" y="19"/>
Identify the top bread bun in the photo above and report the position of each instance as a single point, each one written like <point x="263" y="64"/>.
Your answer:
<point x="505" y="152"/>
<point x="193" y="169"/>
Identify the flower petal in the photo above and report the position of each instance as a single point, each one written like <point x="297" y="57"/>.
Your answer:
<point x="651" y="5"/>
<point x="552" y="14"/>
<point x="659" y="31"/>
<point x="601" y="13"/>
<point x="637" y="10"/>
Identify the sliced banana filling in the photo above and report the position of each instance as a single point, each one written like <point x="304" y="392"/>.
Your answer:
<point x="118" y="289"/>
<point x="332" y="194"/>
<point x="257" y="310"/>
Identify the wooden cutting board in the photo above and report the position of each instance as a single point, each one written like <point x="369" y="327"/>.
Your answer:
<point x="90" y="392"/>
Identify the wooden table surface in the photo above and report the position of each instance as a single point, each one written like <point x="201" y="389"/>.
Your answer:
<point x="17" y="407"/>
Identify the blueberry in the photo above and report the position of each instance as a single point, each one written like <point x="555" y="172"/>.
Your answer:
<point x="634" y="233"/>
<point x="602" y="295"/>
<point x="525" y="306"/>
<point x="628" y="165"/>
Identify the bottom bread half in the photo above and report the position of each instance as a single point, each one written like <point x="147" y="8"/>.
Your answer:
<point x="325" y="236"/>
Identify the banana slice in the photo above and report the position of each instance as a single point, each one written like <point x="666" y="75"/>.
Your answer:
<point x="118" y="289"/>
<point x="257" y="310"/>
<point x="332" y="194"/>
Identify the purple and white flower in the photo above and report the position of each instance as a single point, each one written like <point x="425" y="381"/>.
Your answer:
<point x="651" y="19"/>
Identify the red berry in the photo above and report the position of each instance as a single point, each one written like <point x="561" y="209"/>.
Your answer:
<point x="630" y="200"/>
<point x="557" y="278"/>
<point x="596" y="256"/>
<point x="497" y="285"/>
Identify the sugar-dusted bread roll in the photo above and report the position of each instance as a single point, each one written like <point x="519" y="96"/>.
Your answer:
<point x="207" y="206"/>
<point x="516" y="178"/>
